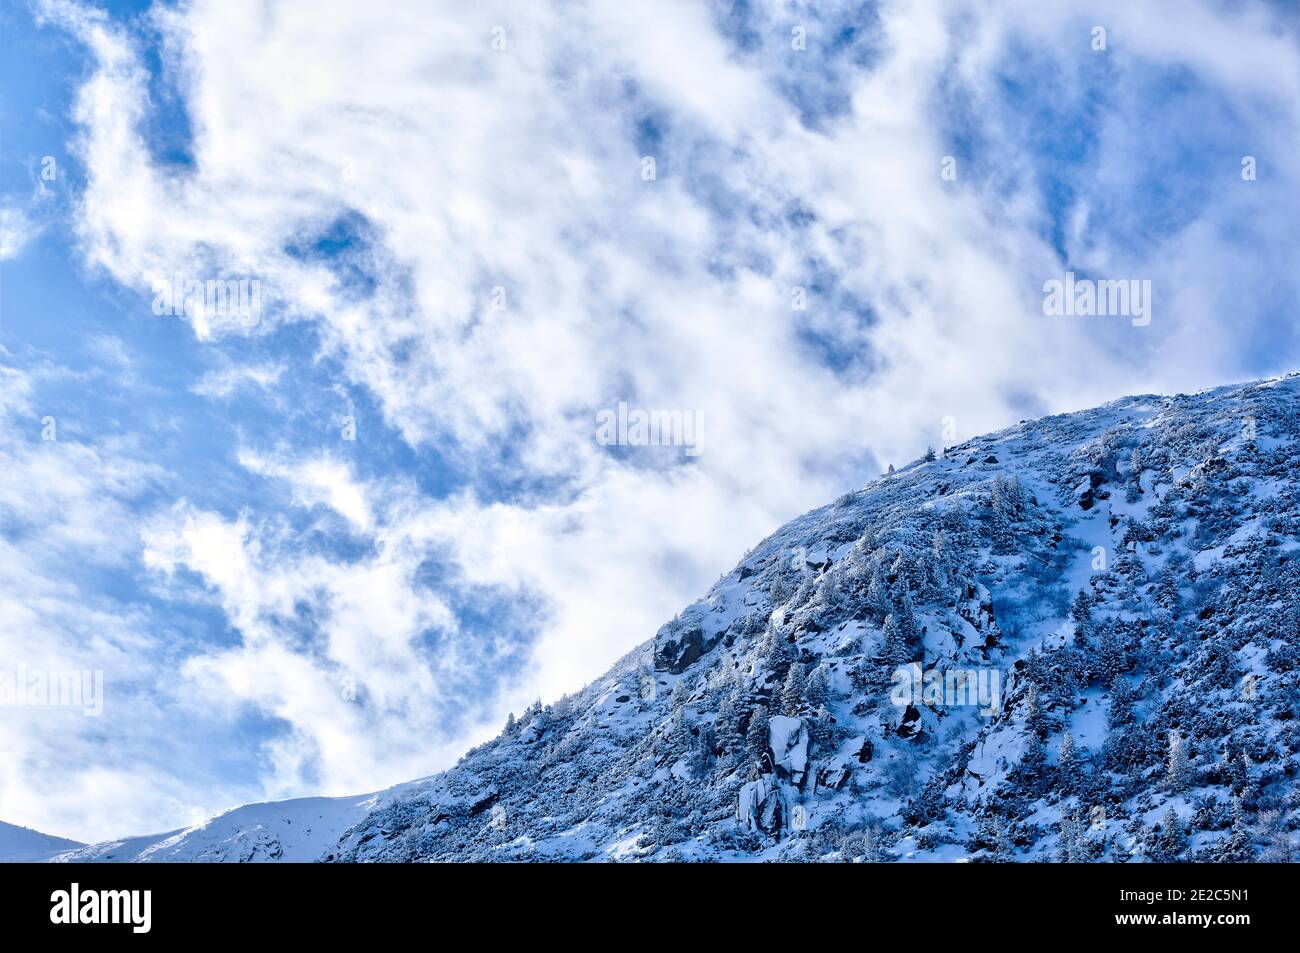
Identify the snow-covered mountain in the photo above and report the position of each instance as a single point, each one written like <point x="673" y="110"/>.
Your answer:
<point x="297" y="830"/>
<point x="22" y="844"/>
<point x="1075" y="639"/>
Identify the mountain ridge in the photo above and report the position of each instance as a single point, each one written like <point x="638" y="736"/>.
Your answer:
<point x="22" y="844"/>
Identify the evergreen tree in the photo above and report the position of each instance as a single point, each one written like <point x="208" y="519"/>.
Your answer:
<point x="905" y="616"/>
<point x="1035" y="720"/>
<point x="901" y="570"/>
<point x="758" y="734"/>
<point x="1120" y="713"/>
<point x="793" y="691"/>
<point x="1007" y="496"/>
<point x="1240" y="840"/>
<point x="1172" y="844"/>
<point x="1111" y="656"/>
<point x="895" y="647"/>
<point x="1133" y="485"/>
<point x="1166" y="592"/>
<point x="679" y="735"/>
<point x="1081" y="607"/>
<point x="1233" y="770"/>
<point x="1069" y="851"/>
<point x="939" y="575"/>
<point x="681" y="693"/>
<point x="819" y="688"/>
<point x="1032" y="766"/>
<point x="1005" y="510"/>
<point x="878" y="603"/>
<point x="781" y="590"/>
<point x="702" y="759"/>
<point x="1179" y="772"/>
<point x="729" y="736"/>
<point x="1003" y="850"/>
<point x="1068" y="766"/>
<point x="873" y="848"/>
<point x="780" y="653"/>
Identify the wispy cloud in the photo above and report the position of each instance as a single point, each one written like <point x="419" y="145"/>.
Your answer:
<point x="16" y="231"/>
<point x="225" y="381"/>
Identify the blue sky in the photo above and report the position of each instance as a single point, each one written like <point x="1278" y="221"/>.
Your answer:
<point x="330" y="549"/>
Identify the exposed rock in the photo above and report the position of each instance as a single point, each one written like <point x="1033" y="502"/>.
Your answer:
<point x="682" y="642"/>
<point x="789" y="742"/>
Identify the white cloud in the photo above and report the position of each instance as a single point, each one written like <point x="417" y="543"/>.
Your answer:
<point x="68" y="511"/>
<point x="16" y="231"/>
<point x="322" y="480"/>
<point x="225" y="381"/>
<point x="363" y="706"/>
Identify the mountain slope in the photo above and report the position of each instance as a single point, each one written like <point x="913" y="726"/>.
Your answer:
<point x="21" y="844"/>
<point x="1075" y="639"/>
<point x="297" y="830"/>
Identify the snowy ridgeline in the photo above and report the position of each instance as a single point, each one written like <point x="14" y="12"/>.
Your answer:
<point x="1076" y="639"/>
<point x="21" y="844"/>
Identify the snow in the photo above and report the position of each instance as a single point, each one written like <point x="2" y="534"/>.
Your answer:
<point x="293" y="831"/>
<point x="23" y="845"/>
<point x="789" y="744"/>
<point x="747" y="801"/>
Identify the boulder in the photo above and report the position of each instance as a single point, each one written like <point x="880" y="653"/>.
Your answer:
<point x="750" y="797"/>
<point x="789" y="742"/>
<point x="909" y="725"/>
<point x="681" y="642"/>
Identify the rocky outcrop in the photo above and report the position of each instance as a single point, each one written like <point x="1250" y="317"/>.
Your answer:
<point x="789" y="743"/>
<point x="682" y="642"/>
